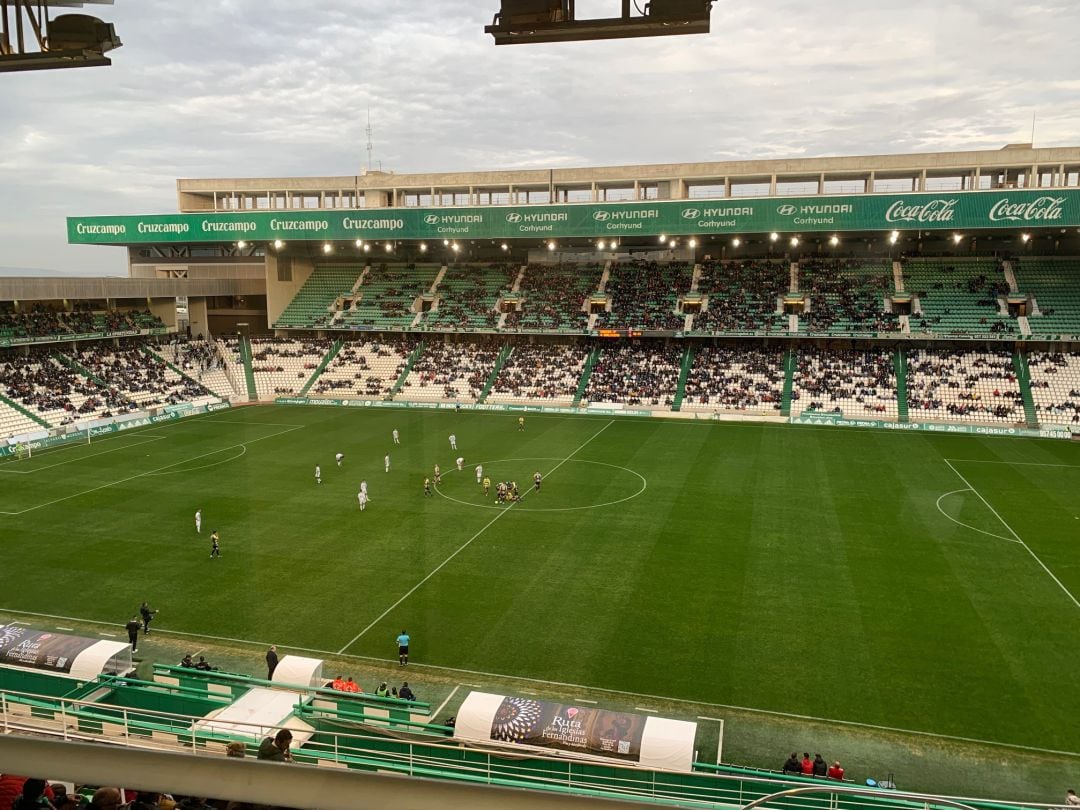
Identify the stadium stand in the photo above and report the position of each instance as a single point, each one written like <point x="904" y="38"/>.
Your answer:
<point x="847" y="297"/>
<point x="958" y="297"/>
<point x="313" y="304"/>
<point x="56" y="393"/>
<point x="742" y="297"/>
<point x="387" y="295"/>
<point x="965" y="386"/>
<point x="14" y="422"/>
<point x="545" y="373"/>
<point x="283" y="365"/>
<point x="859" y="383"/>
<point x="735" y="378"/>
<point x="553" y="298"/>
<point x="644" y="373"/>
<point x="451" y="371"/>
<point x="44" y="322"/>
<point x="468" y="296"/>
<point x="228" y="349"/>
<point x="138" y="376"/>
<point x="201" y="360"/>
<point x="365" y="369"/>
<point x="645" y="295"/>
<point x="1055" y="386"/>
<point x="1055" y="286"/>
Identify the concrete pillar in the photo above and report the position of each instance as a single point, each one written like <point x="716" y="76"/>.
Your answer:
<point x="870" y="180"/>
<point x="922" y="180"/>
<point x="197" y="317"/>
<point x="821" y="183"/>
<point x="727" y="186"/>
<point x="595" y="192"/>
<point x="164" y="308"/>
<point x="637" y="189"/>
<point x="772" y="186"/>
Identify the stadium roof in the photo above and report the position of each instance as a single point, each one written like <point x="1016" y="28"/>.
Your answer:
<point x="62" y="41"/>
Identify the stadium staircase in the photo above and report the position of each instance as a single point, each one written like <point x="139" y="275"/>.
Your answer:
<point x="1010" y="276"/>
<point x="793" y="279"/>
<point x="1023" y="379"/>
<point x="405" y="371"/>
<point x="15" y="406"/>
<point x="330" y="355"/>
<point x="176" y="370"/>
<point x="586" y="372"/>
<point x="900" y="362"/>
<point x="249" y="372"/>
<point x="695" y="278"/>
<point x="78" y="368"/>
<point x="898" y="276"/>
<point x="684" y="372"/>
<point x="504" y="355"/>
<point x="790" y="362"/>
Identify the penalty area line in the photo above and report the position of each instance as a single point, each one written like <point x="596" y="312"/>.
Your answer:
<point x="576" y="686"/>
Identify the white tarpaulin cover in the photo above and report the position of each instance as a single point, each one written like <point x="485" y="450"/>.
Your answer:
<point x="585" y="731"/>
<point x="299" y="671"/>
<point x="259" y="713"/>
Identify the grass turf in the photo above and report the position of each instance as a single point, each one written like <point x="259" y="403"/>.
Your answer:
<point x="813" y="571"/>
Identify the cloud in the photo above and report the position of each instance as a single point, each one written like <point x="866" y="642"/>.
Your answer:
<point x="276" y="88"/>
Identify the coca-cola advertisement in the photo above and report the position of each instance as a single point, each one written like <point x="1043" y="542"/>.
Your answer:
<point x="24" y="647"/>
<point x="572" y="728"/>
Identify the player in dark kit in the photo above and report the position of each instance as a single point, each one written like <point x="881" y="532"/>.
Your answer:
<point x="215" y="545"/>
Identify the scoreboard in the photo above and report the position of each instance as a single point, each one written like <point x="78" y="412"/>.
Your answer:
<point x="619" y="333"/>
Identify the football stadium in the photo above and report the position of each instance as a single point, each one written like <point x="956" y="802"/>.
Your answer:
<point x="556" y="485"/>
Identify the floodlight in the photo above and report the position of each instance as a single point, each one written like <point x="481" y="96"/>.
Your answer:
<point x="551" y="245"/>
<point x="794" y="241"/>
<point x="1025" y="237"/>
<point x="692" y="243"/>
<point x="736" y="242"/>
<point x="327" y="247"/>
<point x="894" y="237"/>
<point x="957" y="238"/>
<point x="278" y="244"/>
<point x="359" y="243"/>
<point x="663" y="238"/>
<point x="241" y="244"/>
<point x="774" y="236"/>
<point x="446" y="242"/>
<point x="389" y="248"/>
<point x="423" y="247"/>
<point x="505" y="246"/>
<point x="367" y="247"/>
<point x="455" y="247"/>
<point x="834" y="240"/>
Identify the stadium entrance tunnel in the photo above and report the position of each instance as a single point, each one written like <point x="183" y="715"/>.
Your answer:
<point x="567" y="485"/>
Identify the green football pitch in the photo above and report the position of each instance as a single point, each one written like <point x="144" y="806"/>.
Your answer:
<point x="914" y="581"/>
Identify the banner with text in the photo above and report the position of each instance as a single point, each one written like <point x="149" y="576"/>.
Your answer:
<point x="572" y="728"/>
<point x="23" y="647"/>
<point x="968" y="210"/>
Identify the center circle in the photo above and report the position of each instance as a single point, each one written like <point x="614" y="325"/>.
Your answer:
<point x="526" y="488"/>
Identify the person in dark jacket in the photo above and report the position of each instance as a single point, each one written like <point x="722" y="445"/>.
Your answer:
<point x="271" y="662"/>
<point x="147" y="616"/>
<point x="133" y="632"/>
<point x="405" y="693"/>
<point x="791" y="765"/>
<point x="276" y="748"/>
<point x="821" y="767"/>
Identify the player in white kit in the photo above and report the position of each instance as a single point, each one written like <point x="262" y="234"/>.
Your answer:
<point x="386" y="462"/>
<point x="363" y="488"/>
<point x="396" y="439"/>
<point x="460" y="461"/>
<point x="198" y="520"/>
<point x="363" y="499"/>
<point x="479" y="473"/>
<point x="318" y="474"/>
<point x="453" y="441"/>
<point x="338" y="458"/>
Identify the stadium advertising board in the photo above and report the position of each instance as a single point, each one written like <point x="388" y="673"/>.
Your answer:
<point x="23" y="647"/>
<point x="525" y="721"/>
<point x="453" y="406"/>
<point x="1010" y="208"/>
<point x="835" y="420"/>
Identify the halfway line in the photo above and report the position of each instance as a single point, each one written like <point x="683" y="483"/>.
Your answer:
<point x="466" y="544"/>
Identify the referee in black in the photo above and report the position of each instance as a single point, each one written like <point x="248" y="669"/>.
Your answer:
<point x="133" y="632"/>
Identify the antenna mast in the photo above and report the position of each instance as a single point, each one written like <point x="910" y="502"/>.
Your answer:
<point x="370" y="146"/>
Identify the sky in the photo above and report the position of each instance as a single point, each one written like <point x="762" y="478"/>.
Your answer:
<point x="256" y="88"/>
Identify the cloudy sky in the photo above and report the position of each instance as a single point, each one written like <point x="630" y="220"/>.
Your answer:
<point x="268" y="87"/>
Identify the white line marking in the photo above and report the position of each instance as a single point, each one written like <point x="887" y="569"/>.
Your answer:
<point x="110" y="635"/>
<point x="80" y="458"/>
<point x="643" y="709"/>
<point x="467" y="543"/>
<point x="243" y="450"/>
<point x="965" y="525"/>
<point x="149" y="472"/>
<point x="710" y="719"/>
<point x="574" y="686"/>
<point x="487" y="465"/>
<point x="443" y="704"/>
<point x="1027" y="548"/>
<point x="583" y="700"/>
<point x="1015" y="463"/>
<point x="69" y="629"/>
